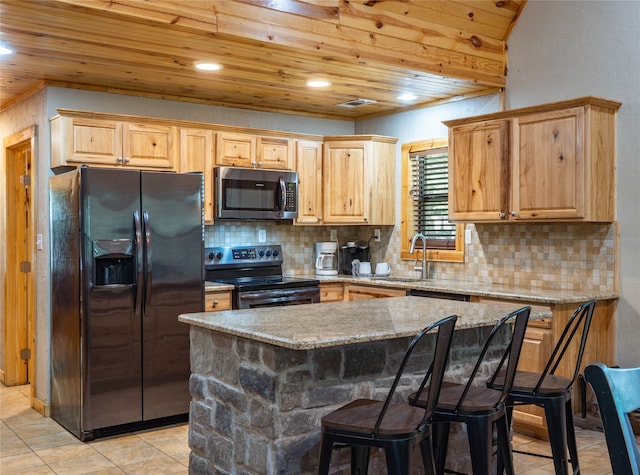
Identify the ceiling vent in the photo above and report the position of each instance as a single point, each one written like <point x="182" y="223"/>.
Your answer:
<point x="356" y="103"/>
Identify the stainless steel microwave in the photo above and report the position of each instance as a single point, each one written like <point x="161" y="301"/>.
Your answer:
<point x="249" y="193"/>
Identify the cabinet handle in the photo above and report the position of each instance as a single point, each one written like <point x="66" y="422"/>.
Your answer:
<point x="215" y="303"/>
<point x="126" y="160"/>
<point x="514" y="214"/>
<point x="259" y="164"/>
<point x="319" y="218"/>
<point x="253" y="164"/>
<point x="502" y="215"/>
<point x="119" y="160"/>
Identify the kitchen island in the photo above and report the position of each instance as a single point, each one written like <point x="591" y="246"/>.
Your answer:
<point x="262" y="379"/>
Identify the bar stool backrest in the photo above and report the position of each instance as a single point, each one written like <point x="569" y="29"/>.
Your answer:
<point x="434" y="374"/>
<point x="512" y="353"/>
<point x="618" y="394"/>
<point x="580" y="321"/>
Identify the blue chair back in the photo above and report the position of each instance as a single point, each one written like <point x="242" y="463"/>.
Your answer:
<point x="618" y="394"/>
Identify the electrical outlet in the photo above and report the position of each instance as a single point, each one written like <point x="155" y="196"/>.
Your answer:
<point x="39" y="245"/>
<point x="262" y="236"/>
<point x="467" y="236"/>
<point x="334" y="235"/>
<point x="376" y="235"/>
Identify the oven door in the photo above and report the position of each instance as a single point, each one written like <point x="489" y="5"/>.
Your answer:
<point x="277" y="297"/>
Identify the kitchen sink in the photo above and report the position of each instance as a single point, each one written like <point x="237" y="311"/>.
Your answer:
<point x="398" y="279"/>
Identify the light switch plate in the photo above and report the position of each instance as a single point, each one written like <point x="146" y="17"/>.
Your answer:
<point x="334" y="235"/>
<point x="39" y="245"/>
<point x="467" y="236"/>
<point x="262" y="236"/>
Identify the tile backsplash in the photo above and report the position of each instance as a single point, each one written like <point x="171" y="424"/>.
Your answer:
<point x="580" y="256"/>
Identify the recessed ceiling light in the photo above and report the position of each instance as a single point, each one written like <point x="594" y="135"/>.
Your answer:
<point x="408" y="96"/>
<point x="207" y="66"/>
<point x="318" y="83"/>
<point x="5" y="50"/>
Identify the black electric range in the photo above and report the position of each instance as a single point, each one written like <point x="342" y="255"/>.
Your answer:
<point x="256" y="274"/>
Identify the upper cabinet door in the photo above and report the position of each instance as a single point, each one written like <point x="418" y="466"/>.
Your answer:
<point x="344" y="176"/>
<point x="196" y="155"/>
<point x="309" y="168"/>
<point x="479" y="171"/>
<point x="150" y="146"/>
<point x="76" y="141"/>
<point x="548" y="177"/>
<point x="236" y="150"/>
<point x="275" y="152"/>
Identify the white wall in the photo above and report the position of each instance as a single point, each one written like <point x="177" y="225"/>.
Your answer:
<point x="566" y="49"/>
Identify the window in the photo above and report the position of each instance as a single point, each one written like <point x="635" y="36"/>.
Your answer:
<point x="425" y="187"/>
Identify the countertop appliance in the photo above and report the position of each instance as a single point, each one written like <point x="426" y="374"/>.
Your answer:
<point x="126" y="260"/>
<point x="256" y="274"/>
<point x="353" y="250"/>
<point x="326" y="258"/>
<point x="249" y="193"/>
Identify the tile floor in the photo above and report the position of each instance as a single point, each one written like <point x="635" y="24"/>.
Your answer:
<point x="32" y="444"/>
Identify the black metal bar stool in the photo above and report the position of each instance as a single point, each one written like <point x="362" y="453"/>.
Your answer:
<point x="553" y="392"/>
<point x="480" y="408"/>
<point x="393" y="426"/>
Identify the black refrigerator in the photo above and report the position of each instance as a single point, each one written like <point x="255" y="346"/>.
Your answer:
<point x="126" y="260"/>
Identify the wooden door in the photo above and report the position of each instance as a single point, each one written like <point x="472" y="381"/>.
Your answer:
<point x="309" y="167"/>
<point x="479" y="171"/>
<point x="196" y="155"/>
<point x="343" y="169"/>
<point x="19" y="311"/>
<point x="548" y="174"/>
<point x="150" y="146"/>
<point x="274" y="152"/>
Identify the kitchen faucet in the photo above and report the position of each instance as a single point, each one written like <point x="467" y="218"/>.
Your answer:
<point x="424" y="268"/>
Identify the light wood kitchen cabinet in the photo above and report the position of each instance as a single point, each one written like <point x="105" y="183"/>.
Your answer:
<point x="554" y="162"/>
<point x="479" y="171"/>
<point x="100" y="140"/>
<point x="217" y="301"/>
<point x="359" y="180"/>
<point x="236" y="150"/>
<point x="196" y="155"/>
<point x="274" y="153"/>
<point x="540" y="338"/>
<point x="309" y="168"/>
<point x="365" y="292"/>
<point x="331" y="291"/>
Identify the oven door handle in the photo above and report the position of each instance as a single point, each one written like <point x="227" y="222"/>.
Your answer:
<point x="278" y="293"/>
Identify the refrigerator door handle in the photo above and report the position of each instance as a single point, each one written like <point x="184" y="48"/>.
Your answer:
<point x="148" y="256"/>
<point x="139" y="281"/>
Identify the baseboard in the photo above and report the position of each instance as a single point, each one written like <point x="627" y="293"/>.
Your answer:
<point x="42" y="407"/>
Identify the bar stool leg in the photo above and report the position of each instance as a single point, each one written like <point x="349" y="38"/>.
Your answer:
<point x="571" y="438"/>
<point x="359" y="460"/>
<point x="556" y="416"/>
<point x="440" y="433"/>
<point x="505" y="455"/>
<point x="480" y="441"/>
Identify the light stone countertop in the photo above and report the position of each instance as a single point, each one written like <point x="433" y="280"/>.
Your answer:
<point x="304" y="327"/>
<point x="528" y="295"/>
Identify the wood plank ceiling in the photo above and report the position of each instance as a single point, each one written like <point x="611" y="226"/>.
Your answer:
<point x="368" y="49"/>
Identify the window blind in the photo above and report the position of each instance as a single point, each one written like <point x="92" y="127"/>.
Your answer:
<point x="430" y="193"/>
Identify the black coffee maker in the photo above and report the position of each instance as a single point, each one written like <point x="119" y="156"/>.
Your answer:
<point x="353" y="250"/>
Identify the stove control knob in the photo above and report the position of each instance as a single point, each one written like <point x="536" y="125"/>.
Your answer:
<point x="210" y="256"/>
<point x="275" y="253"/>
<point x="268" y="252"/>
<point x="218" y="255"/>
<point x="261" y="252"/>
